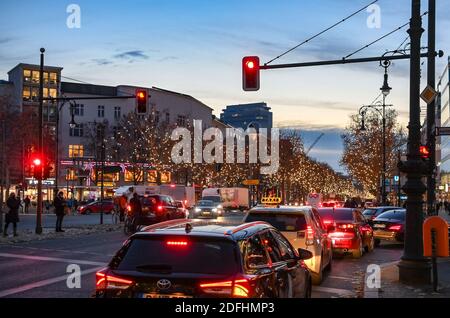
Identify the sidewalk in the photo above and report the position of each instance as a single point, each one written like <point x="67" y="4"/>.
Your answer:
<point x="392" y="288"/>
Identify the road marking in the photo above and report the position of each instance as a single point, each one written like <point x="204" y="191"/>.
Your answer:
<point x="42" y="283"/>
<point x="328" y="290"/>
<point x="52" y="259"/>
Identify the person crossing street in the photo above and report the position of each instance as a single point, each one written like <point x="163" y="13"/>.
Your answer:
<point x="12" y="216"/>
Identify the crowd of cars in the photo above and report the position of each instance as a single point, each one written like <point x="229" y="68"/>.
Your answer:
<point x="277" y="251"/>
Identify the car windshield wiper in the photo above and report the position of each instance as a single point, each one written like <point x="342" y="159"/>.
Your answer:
<point x="154" y="268"/>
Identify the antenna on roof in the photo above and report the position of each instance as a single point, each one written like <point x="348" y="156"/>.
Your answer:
<point x="188" y="227"/>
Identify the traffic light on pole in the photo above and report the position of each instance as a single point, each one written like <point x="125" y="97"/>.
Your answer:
<point x="425" y="152"/>
<point x="141" y="101"/>
<point x="250" y="73"/>
<point x="36" y="167"/>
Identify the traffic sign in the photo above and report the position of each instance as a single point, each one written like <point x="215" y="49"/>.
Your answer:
<point x="428" y="95"/>
<point x="442" y="131"/>
<point x="251" y="182"/>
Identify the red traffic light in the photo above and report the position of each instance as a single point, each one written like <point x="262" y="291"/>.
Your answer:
<point x="250" y="73"/>
<point x="424" y="152"/>
<point x="37" y="162"/>
<point x="141" y="101"/>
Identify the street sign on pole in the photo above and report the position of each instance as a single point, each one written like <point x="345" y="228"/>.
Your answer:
<point x="251" y="182"/>
<point x="442" y="131"/>
<point x="428" y="95"/>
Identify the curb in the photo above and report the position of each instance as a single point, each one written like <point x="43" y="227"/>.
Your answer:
<point x="375" y="292"/>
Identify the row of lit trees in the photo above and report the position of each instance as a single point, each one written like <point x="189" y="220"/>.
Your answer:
<point x="363" y="150"/>
<point x="142" y="140"/>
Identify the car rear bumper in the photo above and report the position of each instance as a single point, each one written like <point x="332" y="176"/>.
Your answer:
<point x="388" y="236"/>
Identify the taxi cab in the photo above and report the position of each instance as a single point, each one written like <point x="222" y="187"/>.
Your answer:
<point x="304" y="229"/>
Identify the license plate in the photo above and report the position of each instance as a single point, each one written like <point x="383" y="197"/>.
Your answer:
<point x="380" y="226"/>
<point x="163" y="296"/>
<point x="206" y="213"/>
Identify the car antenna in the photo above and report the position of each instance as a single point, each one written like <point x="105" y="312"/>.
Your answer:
<point x="188" y="227"/>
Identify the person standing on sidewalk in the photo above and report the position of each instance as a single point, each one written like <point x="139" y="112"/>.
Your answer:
<point x="12" y="216"/>
<point x="27" y="203"/>
<point x="60" y="205"/>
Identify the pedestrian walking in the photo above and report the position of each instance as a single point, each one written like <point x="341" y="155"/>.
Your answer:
<point x="12" y="216"/>
<point x="60" y="205"/>
<point x="27" y="203"/>
<point x="123" y="202"/>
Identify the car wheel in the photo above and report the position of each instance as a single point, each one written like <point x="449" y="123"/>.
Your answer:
<point x="371" y="245"/>
<point x="358" y="253"/>
<point x="87" y="212"/>
<point x="318" y="277"/>
<point x="377" y="242"/>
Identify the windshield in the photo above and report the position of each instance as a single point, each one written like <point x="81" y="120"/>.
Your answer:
<point x="205" y="203"/>
<point x="369" y="212"/>
<point x="287" y="222"/>
<point x="215" y="199"/>
<point x="180" y="255"/>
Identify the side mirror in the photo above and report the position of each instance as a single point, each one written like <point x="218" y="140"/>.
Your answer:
<point x="304" y="254"/>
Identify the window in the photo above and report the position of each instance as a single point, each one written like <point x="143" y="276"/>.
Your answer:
<point x="76" y="151"/>
<point x="286" y="250"/>
<point x="53" y="78"/>
<point x="181" y="121"/>
<point x="167" y="118"/>
<point x="255" y="254"/>
<point x="35" y="94"/>
<point x="101" y="111"/>
<point x="26" y="94"/>
<point x="27" y="76"/>
<point x="272" y="247"/>
<point x="77" y="131"/>
<point x="35" y="77"/>
<point x="78" y="110"/>
<point x="117" y="112"/>
<point x="157" y="117"/>
<point x="71" y="174"/>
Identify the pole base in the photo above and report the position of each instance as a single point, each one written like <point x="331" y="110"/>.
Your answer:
<point x="415" y="271"/>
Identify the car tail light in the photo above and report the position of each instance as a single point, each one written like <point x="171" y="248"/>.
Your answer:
<point x="129" y="208"/>
<point x="395" y="227"/>
<point x="327" y="222"/>
<point x="159" y="207"/>
<point x="239" y="288"/>
<point x="342" y="235"/>
<point x="309" y="235"/>
<point x="345" y="226"/>
<point x="105" y="281"/>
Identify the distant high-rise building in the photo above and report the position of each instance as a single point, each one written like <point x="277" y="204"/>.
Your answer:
<point x="443" y="142"/>
<point x="257" y="115"/>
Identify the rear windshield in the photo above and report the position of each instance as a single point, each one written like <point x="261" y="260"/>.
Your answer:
<point x="336" y="214"/>
<point x="369" y="212"/>
<point x="393" y="215"/>
<point x="282" y="222"/>
<point x="197" y="257"/>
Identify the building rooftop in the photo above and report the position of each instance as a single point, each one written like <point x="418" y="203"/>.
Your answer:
<point x="88" y="89"/>
<point x="36" y="67"/>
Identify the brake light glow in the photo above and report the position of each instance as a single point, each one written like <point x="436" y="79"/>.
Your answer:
<point x="129" y="208"/>
<point x="159" y="208"/>
<point x="104" y="281"/>
<point x="237" y="288"/>
<point x="177" y="243"/>
<point x="395" y="228"/>
<point x="327" y="222"/>
<point x="346" y="226"/>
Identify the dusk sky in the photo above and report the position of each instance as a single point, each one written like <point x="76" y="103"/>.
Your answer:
<point x="196" y="47"/>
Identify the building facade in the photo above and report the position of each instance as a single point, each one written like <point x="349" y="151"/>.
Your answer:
<point x="257" y="115"/>
<point x="77" y="172"/>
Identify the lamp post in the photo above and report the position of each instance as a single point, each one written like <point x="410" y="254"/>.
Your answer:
<point x="72" y="125"/>
<point x="362" y="112"/>
<point x="385" y="90"/>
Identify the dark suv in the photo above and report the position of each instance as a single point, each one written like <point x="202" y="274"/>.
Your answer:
<point x="157" y="208"/>
<point x="195" y="258"/>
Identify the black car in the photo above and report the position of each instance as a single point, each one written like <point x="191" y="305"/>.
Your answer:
<point x="207" y="209"/>
<point x="196" y="258"/>
<point x="390" y="226"/>
<point x="372" y="213"/>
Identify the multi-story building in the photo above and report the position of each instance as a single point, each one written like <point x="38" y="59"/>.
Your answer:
<point x="257" y="115"/>
<point x="78" y="161"/>
<point x="443" y="142"/>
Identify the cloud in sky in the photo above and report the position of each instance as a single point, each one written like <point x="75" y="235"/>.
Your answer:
<point x="132" y="55"/>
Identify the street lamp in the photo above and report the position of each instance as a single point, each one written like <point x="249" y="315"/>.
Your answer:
<point x="72" y="123"/>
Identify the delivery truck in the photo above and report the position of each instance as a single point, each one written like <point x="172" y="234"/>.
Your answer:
<point x="228" y="198"/>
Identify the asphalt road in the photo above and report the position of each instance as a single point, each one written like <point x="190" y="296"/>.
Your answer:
<point x="39" y="269"/>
